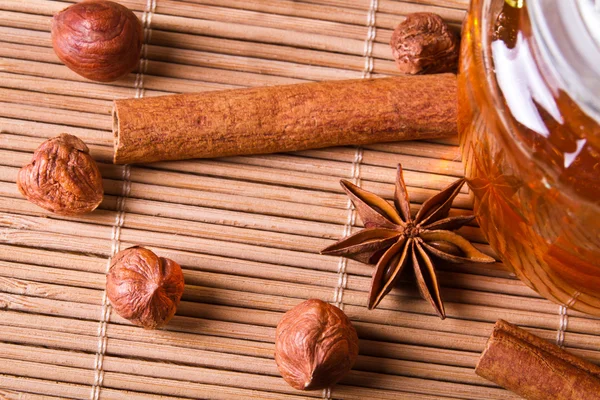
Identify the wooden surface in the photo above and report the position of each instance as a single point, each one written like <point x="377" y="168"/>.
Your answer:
<point x="246" y="230"/>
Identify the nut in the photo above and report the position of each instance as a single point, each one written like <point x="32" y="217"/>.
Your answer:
<point x="315" y="345"/>
<point x="424" y="43"/>
<point x="62" y="177"/>
<point x="144" y="288"/>
<point x="99" y="40"/>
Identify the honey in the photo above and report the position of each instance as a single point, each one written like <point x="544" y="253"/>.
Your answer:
<point x="530" y="138"/>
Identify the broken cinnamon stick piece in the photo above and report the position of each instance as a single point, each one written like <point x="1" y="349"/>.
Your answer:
<point x="284" y="118"/>
<point x="536" y="369"/>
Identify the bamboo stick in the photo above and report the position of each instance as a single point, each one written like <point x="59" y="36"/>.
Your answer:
<point x="55" y="276"/>
<point x="269" y="51"/>
<point x="44" y="388"/>
<point x="164" y="371"/>
<point x="421" y="149"/>
<point x="41" y="114"/>
<point x="348" y="154"/>
<point x="328" y="179"/>
<point x="101" y="153"/>
<point x="219" y="47"/>
<point x="55" y="101"/>
<point x="15" y="226"/>
<point x="302" y="175"/>
<point x="220" y="265"/>
<point x="164" y="84"/>
<point x="249" y="64"/>
<point x="443" y="339"/>
<point x="27" y="52"/>
<point x="225" y="233"/>
<point x="227" y="15"/>
<point x="193" y="293"/>
<point x="224" y="299"/>
<point x="268" y="231"/>
<point x="173" y="70"/>
<point x="230" y="314"/>
<point x="49" y="291"/>
<point x="203" y="215"/>
<point x="374" y="166"/>
<point x="386" y="5"/>
<point x="24" y="36"/>
<point x="292" y="195"/>
<point x="237" y="78"/>
<point x="201" y="222"/>
<point x="36" y="130"/>
<point x="62" y="389"/>
<point x="325" y="182"/>
<point x="157" y="384"/>
<point x="56" y="241"/>
<point x="330" y="13"/>
<point x="10" y="394"/>
<point x="223" y="273"/>
<point x="25" y="323"/>
<point x="26" y="255"/>
<point x="80" y="89"/>
<point x="451" y="141"/>
<point x="211" y="76"/>
<point x="403" y="8"/>
<point x="150" y="351"/>
<point x="214" y="200"/>
<point x="459" y="4"/>
<point x="331" y="161"/>
<point x="401" y="299"/>
<point x="210" y="352"/>
<point x="270" y="20"/>
<point x="214" y="359"/>
<point x="103" y="234"/>
<point x="59" y="327"/>
<point x="206" y="376"/>
<point x="272" y="208"/>
<point x="316" y="12"/>
<point x="267" y="34"/>
<point x="427" y="387"/>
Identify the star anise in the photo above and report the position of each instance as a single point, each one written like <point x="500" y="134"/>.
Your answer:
<point x="395" y="241"/>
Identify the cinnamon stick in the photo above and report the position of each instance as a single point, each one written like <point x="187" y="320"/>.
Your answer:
<point x="284" y="118"/>
<point x="536" y="369"/>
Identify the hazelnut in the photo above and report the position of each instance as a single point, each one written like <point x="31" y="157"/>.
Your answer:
<point x="315" y="345"/>
<point x="62" y="177"/>
<point x="144" y="288"/>
<point x="424" y="43"/>
<point x="99" y="40"/>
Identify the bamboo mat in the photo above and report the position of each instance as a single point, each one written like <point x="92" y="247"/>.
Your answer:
<point x="246" y="230"/>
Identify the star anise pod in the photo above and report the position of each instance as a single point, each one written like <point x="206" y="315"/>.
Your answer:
<point x="395" y="241"/>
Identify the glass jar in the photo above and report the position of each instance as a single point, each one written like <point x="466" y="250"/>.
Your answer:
<point x="529" y="124"/>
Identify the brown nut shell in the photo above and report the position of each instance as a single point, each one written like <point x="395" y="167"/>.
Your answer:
<point x="144" y="288"/>
<point x="62" y="177"/>
<point x="424" y="44"/>
<point x="99" y="40"/>
<point x="315" y="345"/>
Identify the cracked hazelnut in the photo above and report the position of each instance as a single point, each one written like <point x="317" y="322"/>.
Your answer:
<point x="424" y="44"/>
<point x="144" y="288"/>
<point x="99" y="40"/>
<point x="315" y="345"/>
<point x="62" y="177"/>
